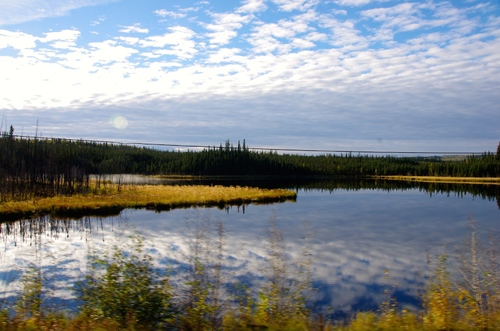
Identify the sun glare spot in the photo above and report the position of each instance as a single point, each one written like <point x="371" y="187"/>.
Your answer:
<point x="119" y="122"/>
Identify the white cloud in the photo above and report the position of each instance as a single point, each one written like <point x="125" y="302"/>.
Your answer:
<point x="136" y="28"/>
<point x="225" y="55"/>
<point x="108" y="51"/>
<point x="17" y="40"/>
<point x="222" y="37"/>
<point x="316" y="36"/>
<point x="252" y="6"/>
<point x="418" y="16"/>
<point x="344" y="33"/>
<point x="165" y="13"/>
<point x="224" y="26"/>
<point x="158" y="53"/>
<point x="289" y="5"/>
<point x="177" y="36"/>
<point x="268" y="44"/>
<point x="306" y="17"/>
<point x="61" y="39"/>
<point x="66" y="35"/>
<point x="392" y="14"/>
<point x="285" y="35"/>
<point x="339" y="12"/>
<point x="450" y="57"/>
<point x="354" y="3"/>
<point x="227" y="20"/>
<point x="270" y="37"/>
<point x="302" y="43"/>
<point x="129" y="40"/>
<point x="179" y="39"/>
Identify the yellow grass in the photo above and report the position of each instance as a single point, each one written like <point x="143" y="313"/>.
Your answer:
<point x="155" y="197"/>
<point x="432" y="179"/>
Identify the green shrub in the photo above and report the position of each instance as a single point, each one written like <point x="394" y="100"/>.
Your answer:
<point x="123" y="287"/>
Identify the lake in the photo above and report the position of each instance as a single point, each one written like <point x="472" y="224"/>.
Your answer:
<point x="364" y="238"/>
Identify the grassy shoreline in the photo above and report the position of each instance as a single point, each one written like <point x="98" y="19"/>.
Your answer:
<point x="442" y="179"/>
<point x="156" y="197"/>
<point x="113" y="198"/>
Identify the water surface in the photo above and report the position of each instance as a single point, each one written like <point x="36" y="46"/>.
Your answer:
<point x="365" y="240"/>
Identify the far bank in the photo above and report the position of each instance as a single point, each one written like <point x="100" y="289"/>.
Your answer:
<point x="443" y="179"/>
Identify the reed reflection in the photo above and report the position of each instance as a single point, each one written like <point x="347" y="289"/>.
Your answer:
<point x="490" y="192"/>
<point x="358" y="235"/>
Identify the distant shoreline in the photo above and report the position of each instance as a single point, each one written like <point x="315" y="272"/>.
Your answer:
<point x="427" y="179"/>
<point x="442" y="179"/>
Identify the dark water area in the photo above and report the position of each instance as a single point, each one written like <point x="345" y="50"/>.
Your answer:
<point x="365" y="238"/>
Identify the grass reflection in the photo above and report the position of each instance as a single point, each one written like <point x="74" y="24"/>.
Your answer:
<point x="123" y="290"/>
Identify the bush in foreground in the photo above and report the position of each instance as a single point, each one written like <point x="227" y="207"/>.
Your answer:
<point x="122" y="291"/>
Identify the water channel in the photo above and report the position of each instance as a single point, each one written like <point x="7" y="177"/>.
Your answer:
<point x="364" y="238"/>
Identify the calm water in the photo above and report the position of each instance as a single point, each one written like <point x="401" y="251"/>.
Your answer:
<point x="359" y="234"/>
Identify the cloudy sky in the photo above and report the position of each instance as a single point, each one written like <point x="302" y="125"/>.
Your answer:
<point x="308" y="74"/>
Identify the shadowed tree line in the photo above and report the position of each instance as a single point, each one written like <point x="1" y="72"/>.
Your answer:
<point x="31" y="167"/>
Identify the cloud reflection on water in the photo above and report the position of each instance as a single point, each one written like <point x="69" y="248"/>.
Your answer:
<point x="357" y="236"/>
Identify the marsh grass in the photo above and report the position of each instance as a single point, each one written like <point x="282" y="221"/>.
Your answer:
<point x="281" y="302"/>
<point x="114" y="300"/>
<point x="201" y="295"/>
<point x="112" y="198"/>
<point x="466" y="300"/>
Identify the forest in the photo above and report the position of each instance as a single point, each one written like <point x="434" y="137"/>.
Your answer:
<point x="47" y="167"/>
<point x="112" y="292"/>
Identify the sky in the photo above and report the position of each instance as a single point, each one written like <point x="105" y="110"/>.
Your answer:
<point x="336" y="75"/>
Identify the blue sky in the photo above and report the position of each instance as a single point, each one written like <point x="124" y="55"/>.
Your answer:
<point x="335" y="74"/>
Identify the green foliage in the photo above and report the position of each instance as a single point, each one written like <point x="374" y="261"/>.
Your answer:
<point x="199" y="310"/>
<point x="201" y="296"/>
<point x="29" y="304"/>
<point x="281" y="303"/>
<point x="128" y="290"/>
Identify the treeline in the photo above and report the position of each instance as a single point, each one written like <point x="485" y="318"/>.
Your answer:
<point x="47" y="167"/>
<point x="33" y="167"/>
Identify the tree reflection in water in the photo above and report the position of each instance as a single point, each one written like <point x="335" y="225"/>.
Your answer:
<point x="360" y="229"/>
